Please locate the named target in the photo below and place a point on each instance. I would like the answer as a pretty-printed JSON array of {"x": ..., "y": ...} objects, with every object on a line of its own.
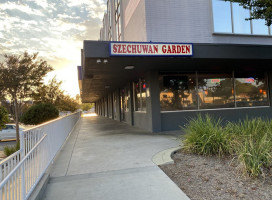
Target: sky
[{"x": 53, "y": 28}]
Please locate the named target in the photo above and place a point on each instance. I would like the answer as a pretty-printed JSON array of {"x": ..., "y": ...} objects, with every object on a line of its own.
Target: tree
[
  {"x": 48, "y": 93},
  {"x": 260, "y": 9},
  {"x": 20, "y": 75},
  {"x": 40, "y": 113},
  {"x": 86, "y": 106},
  {"x": 3, "y": 117},
  {"x": 51, "y": 93}
]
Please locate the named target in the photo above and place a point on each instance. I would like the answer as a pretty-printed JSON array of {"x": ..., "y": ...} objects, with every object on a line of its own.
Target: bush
[
  {"x": 249, "y": 140},
  {"x": 3, "y": 117},
  {"x": 39, "y": 113},
  {"x": 8, "y": 150},
  {"x": 205, "y": 136}
]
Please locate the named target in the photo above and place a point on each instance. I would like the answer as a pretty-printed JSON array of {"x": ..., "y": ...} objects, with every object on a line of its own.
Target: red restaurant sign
[{"x": 150, "y": 49}]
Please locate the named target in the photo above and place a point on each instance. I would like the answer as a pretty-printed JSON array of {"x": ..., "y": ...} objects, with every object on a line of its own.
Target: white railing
[{"x": 22, "y": 171}]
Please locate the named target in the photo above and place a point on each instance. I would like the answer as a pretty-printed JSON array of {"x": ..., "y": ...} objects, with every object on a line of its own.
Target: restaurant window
[
  {"x": 140, "y": 94},
  {"x": 231, "y": 17},
  {"x": 178, "y": 92},
  {"x": 215, "y": 91},
  {"x": 212, "y": 91},
  {"x": 127, "y": 97},
  {"x": 251, "y": 90}
]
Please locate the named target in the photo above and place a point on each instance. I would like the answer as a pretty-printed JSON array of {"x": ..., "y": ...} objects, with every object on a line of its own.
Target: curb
[
  {"x": 165, "y": 157},
  {"x": 38, "y": 192}
]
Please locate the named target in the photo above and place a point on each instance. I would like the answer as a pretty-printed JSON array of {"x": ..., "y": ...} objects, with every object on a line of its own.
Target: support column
[{"x": 153, "y": 100}]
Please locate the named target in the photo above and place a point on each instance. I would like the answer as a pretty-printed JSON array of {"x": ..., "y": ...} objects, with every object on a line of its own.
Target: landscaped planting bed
[{"x": 224, "y": 160}]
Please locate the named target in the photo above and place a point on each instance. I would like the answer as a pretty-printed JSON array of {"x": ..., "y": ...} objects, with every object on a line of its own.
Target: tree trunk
[{"x": 16, "y": 121}]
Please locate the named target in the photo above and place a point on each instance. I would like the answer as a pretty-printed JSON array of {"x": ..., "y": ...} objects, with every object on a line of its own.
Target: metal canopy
[{"x": 100, "y": 78}]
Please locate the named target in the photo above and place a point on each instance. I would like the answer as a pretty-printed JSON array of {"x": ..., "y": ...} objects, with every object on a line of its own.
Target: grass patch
[
  {"x": 8, "y": 150},
  {"x": 249, "y": 140},
  {"x": 205, "y": 136}
]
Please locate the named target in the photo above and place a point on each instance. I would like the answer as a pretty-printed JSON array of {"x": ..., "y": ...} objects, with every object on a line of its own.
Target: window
[
  {"x": 178, "y": 92},
  {"x": 239, "y": 22},
  {"x": 212, "y": 91},
  {"x": 222, "y": 16},
  {"x": 259, "y": 27},
  {"x": 230, "y": 17},
  {"x": 110, "y": 22},
  {"x": 140, "y": 95},
  {"x": 215, "y": 91},
  {"x": 118, "y": 19},
  {"x": 251, "y": 90}
]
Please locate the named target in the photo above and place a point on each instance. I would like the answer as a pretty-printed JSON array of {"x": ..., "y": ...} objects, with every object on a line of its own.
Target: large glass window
[
  {"x": 178, "y": 92},
  {"x": 259, "y": 27},
  {"x": 239, "y": 15},
  {"x": 109, "y": 21},
  {"x": 222, "y": 16},
  {"x": 140, "y": 95},
  {"x": 212, "y": 91},
  {"x": 230, "y": 17},
  {"x": 251, "y": 90},
  {"x": 215, "y": 91},
  {"x": 118, "y": 20}
]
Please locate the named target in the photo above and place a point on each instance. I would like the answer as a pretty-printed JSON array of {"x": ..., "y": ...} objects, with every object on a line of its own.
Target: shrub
[
  {"x": 205, "y": 136},
  {"x": 39, "y": 113},
  {"x": 3, "y": 117},
  {"x": 8, "y": 150},
  {"x": 252, "y": 143}
]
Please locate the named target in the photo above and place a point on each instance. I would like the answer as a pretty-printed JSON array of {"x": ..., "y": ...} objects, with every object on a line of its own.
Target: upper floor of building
[{"x": 192, "y": 21}]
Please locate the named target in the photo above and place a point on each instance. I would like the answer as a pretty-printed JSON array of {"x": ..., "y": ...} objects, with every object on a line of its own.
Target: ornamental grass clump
[
  {"x": 252, "y": 143},
  {"x": 255, "y": 155},
  {"x": 205, "y": 136}
]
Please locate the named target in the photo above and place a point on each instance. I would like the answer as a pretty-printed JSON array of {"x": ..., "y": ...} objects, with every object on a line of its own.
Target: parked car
[{"x": 9, "y": 132}]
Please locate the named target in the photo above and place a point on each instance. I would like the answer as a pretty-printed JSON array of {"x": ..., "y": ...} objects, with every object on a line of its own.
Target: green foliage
[
  {"x": 20, "y": 75},
  {"x": 260, "y": 9},
  {"x": 86, "y": 106},
  {"x": 40, "y": 113},
  {"x": 8, "y": 150},
  {"x": 3, "y": 117},
  {"x": 52, "y": 94},
  {"x": 205, "y": 136},
  {"x": 249, "y": 140}
]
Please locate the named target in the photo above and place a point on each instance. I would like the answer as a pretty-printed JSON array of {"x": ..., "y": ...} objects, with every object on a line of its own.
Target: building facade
[{"x": 139, "y": 71}]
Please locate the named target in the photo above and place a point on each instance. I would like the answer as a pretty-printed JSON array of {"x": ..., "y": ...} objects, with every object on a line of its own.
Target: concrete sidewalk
[{"x": 104, "y": 159}]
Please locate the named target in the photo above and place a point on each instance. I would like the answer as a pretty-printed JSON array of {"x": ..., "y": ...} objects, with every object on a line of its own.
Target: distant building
[{"x": 160, "y": 62}]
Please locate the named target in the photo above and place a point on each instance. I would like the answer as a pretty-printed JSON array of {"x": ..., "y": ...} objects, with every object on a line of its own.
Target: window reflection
[
  {"x": 215, "y": 91},
  {"x": 239, "y": 16},
  {"x": 251, "y": 90},
  {"x": 259, "y": 27},
  {"x": 178, "y": 92},
  {"x": 140, "y": 94},
  {"x": 222, "y": 16}
]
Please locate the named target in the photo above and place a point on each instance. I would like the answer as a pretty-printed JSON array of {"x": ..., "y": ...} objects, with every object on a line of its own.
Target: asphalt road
[{"x": 6, "y": 143}]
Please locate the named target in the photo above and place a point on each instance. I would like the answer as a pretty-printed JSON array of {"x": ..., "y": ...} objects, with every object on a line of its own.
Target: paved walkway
[{"x": 108, "y": 160}]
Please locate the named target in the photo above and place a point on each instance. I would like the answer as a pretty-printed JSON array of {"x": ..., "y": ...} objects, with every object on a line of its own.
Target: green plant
[
  {"x": 3, "y": 117},
  {"x": 255, "y": 154},
  {"x": 205, "y": 136},
  {"x": 8, "y": 150},
  {"x": 39, "y": 113}
]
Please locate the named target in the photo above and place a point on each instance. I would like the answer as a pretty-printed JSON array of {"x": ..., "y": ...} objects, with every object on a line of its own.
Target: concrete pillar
[{"x": 153, "y": 100}]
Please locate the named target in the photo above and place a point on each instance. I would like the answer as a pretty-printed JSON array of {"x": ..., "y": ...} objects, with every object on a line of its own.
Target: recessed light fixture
[
  {"x": 130, "y": 67},
  {"x": 98, "y": 61},
  {"x": 105, "y": 61}
]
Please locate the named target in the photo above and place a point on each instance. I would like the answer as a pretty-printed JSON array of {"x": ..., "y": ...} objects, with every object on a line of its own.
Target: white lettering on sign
[{"x": 150, "y": 49}]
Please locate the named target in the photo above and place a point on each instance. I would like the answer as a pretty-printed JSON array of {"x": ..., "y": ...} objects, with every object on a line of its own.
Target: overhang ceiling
[{"x": 98, "y": 76}]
